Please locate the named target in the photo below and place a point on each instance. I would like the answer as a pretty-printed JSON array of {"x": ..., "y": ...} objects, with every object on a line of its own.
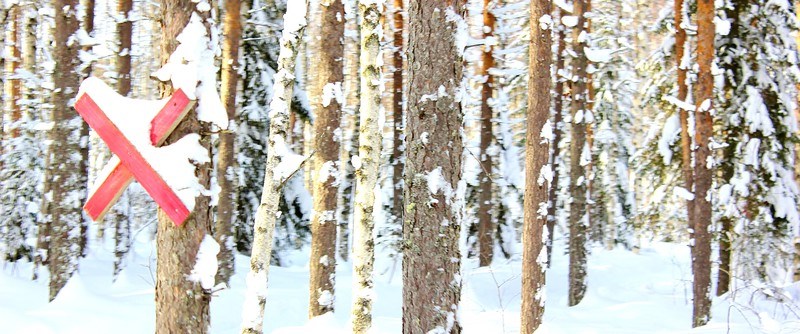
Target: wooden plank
[
  {"x": 169, "y": 117},
  {"x": 108, "y": 191},
  {"x": 132, "y": 159}
]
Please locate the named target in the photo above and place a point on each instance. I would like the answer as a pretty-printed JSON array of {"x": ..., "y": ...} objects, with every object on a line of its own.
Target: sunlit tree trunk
[
  {"x": 701, "y": 249},
  {"x": 486, "y": 226},
  {"x": 534, "y": 234},
  {"x": 326, "y": 99},
  {"x": 555, "y": 158},
  {"x": 223, "y": 228},
  {"x": 350, "y": 127}
]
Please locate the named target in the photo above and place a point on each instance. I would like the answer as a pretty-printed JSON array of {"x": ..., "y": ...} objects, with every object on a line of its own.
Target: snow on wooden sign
[{"x": 134, "y": 130}]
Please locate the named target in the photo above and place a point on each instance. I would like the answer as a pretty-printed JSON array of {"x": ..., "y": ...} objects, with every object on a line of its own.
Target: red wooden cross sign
[{"x": 129, "y": 163}]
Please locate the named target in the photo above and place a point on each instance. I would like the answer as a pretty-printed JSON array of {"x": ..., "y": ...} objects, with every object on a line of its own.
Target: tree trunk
[
  {"x": 555, "y": 159},
  {"x": 701, "y": 249},
  {"x": 536, "y": 156},
  {"x": 350, "y": 128},
  {"x": 398, "y": 164},
  {"x": 181, "y": 305},
  {"x": 12, "y": 85},
  {"x": 66, "y": 177},
  {"x": 486, "y": 226},
  {"x": 580, "y": 157},
  {"x": 223, "y": 228},
  {"x": 327, "y": 100},
  {"x": 279, "y": 133},
  {"x": 369, "y": 153},
  {"x": 431, "y": 265},
  {"x": 683, "y": 90}
]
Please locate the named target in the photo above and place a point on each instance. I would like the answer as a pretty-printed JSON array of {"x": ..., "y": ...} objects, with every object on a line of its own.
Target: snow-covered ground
[{"x": 648, "y": 292}]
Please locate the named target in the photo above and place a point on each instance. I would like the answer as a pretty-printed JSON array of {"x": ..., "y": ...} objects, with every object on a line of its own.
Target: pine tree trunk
[
  {"x": 350, "y": 127},
  {"x": 536, "y": 156},
  {"x": 683, "y": 90},
  {"x": 223, "y": 228},
  {"x": 369, "y": 153},
  {"x": 279, "y": 133},
  {"x": 182, "y": 306},
  {"x": 555, "y": 159},
  {"x": 701, "y": 249},
  {"x": 397, "y": 162},
  {"x": 12, "y": 86},
  {"x": 65, "y": 176},
  {"x": 431, "y": 265},
  {"x": 578, "y": 162},
  {"x": 328, "y": 64},
  {"x": 486, "y": 228}
]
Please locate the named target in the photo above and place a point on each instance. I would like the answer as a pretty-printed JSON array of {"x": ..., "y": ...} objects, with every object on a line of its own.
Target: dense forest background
[{"x": 425, "y": 135}]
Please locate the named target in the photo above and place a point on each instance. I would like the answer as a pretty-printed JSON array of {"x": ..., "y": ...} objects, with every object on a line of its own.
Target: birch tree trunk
[
  {"x": 369, "y": 155},
  {"x": 326, "y": 99},
  {"x": 267, "y": 214},
  {"x": 537, "y": 153},
  {"x": 701, "y": 249},
  {"x": 434, "y": 193},
  {"x": 580, "y": 157},
  {"x": 486, "y": 226},
  {"x": 223, "y": 229},
  {"x": 182, "y": 306}
]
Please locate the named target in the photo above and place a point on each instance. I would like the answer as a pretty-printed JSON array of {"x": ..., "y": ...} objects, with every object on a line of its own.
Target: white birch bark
[
  {"x": 366, "y": 165},
  {"x": 255, "y": 297}
]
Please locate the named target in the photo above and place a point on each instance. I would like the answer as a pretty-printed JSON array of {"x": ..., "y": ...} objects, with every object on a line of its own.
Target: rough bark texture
[
  {"x": 701, "y": 249},
  {"x": 398, "y": 165},
  {"x": 683, "y": 90},
  {"x": 577, "y": 172},
  {"x": 537, "y": 153},
  {"x": 181, "y": 305},
  {"x": 65, "y": 177},
  {"x": 327, "y": 69},
  {"x": 223, "y": 228},
  {"x": 486, "y": 226},
  {"x": 350, "y": 128},
  {"x": 255, "y": 298},
  {"x": 555, "y": 159},
  {"x": 432, "y": 260},
  {"x": 369, "y": 152}
]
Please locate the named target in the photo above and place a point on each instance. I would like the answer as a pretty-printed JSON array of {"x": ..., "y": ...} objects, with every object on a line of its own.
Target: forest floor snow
[{"x": 648, "y": 292}]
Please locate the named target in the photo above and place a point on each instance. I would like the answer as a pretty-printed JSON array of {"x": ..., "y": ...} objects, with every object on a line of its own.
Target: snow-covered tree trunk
[
  {"x": 182, "y": 304},
  {"x": 327, "y": 99},
  {"x": 701, "y": 245},
  {"x": 486, "y": 225},
  {"x": 366, "y": 165},
  {"x": 537, "y": 178},
  {"x": 434, "y": 189},
  {"x": 580, "y": 157},
  {"x": 558, "y": 129},
  {"x": 226, "y": 165},
  {"x": 65, "y": 178},
  {"x": 278, "y": 168}
]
